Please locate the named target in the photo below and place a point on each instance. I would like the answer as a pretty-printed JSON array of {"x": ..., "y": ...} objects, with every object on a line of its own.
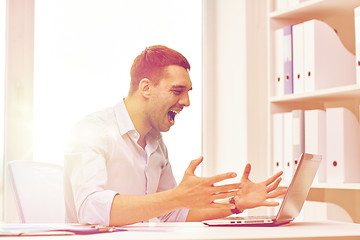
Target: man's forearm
[
  {"x": 197, "y": 215},
  {"x": 193, "y": 193},
  {"x": 128, "y": 209}
]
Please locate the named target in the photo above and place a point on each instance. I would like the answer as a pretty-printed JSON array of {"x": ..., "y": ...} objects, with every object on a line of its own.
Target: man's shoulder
[
  {"x": 103, "y": 116},
  {"x": 98, "y": 123},
  {"x": 96, "y": 128}
]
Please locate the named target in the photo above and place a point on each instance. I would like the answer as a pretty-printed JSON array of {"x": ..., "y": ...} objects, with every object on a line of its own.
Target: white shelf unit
[
  {"x": 340, "y": 16},
  {"x": 334, "y": 186}
]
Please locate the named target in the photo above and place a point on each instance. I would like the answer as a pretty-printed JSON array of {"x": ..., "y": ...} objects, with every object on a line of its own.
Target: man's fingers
[
  {"x": 271, "y": 204},
  {"x": 226, "y": 188},
  {"x": 193, "y": 165},
  {"x": 273, "y": 178},
  {"x": 274, "y": 185},
  {"x": 277, "y": 193},
  {"x": 224, "y": 195},
  {"x": 246, "y": 173},
  {"x": 221, "y": 177}
]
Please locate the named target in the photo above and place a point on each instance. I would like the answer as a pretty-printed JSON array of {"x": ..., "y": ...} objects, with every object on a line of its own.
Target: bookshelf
[{"x": 340, "y": 16}]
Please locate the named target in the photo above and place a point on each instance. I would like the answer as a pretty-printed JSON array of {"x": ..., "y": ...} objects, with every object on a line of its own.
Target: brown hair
[{"x": 151, "y": 62}]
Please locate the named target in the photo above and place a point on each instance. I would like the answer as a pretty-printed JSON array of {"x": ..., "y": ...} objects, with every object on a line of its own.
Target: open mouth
[{"x": 171, "y": 116}]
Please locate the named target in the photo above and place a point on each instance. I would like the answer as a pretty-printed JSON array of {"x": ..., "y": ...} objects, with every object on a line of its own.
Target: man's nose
[{"x": 185, "y": 100}]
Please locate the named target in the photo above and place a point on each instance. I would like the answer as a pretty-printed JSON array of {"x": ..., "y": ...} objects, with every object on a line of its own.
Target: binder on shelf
[
  {"x": 288, "y": 147},
  {"x": 294, "y": 3},
  {"x": 279, "y": 63},
  {"x": 315, "y": 139},
  {"x": 298, "y": 58},
  {"x": 298, "y": 136},
  {"x": 281, "y": 5},
  {"x": 357, "y": 43},
  {"x": 277, "y": 142},
  {"x": 288, "y": 60},
  {"x": 327, "y": 62},
  {"x": 342, "y": 146}
]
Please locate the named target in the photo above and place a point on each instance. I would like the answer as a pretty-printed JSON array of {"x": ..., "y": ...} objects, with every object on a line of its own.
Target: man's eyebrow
[{"x": 180, "y": 87}]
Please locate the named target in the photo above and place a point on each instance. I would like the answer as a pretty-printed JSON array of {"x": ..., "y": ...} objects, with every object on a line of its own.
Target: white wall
[
  {"x": 256, "y": 44},
  {"x": 234, "y": 98},
  {"x": 82, "y": 64}
]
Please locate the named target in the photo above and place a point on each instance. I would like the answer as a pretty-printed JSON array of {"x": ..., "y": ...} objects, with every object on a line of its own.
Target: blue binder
[{"x": 288, "y": 60}]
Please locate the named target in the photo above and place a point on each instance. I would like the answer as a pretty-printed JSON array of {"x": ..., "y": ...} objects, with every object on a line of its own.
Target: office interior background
[
  {"x": 61, "y": 60},
  {"x": 65, "y": 59}
]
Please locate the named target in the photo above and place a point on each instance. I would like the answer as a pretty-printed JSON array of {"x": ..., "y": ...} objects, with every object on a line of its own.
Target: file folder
[
  {"x": 279, "y": 62},
  {"x": 281, "y": 4},
  {"x": 298, "y": 136},
  {"x": 294, "y": 3},
  {"x": 357, "y": 42},
  {"x": 277, "y": 142},
  {"x": 288, "y": 60},
  {"x": 315, "y": 139},
  {"x": 7, "y": 230},
  {"x": 327, "y": 62},
  {"x": 342, "y": 146},
  {"x": 288, "y": 147},
  {"x": 298, "y": 58}
]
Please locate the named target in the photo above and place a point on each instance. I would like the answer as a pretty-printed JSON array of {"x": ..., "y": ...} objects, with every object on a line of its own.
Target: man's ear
[{"x": 145, "y": 87}]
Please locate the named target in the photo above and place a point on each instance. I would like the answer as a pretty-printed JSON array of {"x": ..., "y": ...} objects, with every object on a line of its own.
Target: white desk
[{"x": 198, "y": 231}]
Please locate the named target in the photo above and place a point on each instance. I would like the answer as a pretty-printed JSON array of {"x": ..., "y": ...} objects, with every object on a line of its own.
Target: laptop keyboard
[{"x": 251, "y": 217}]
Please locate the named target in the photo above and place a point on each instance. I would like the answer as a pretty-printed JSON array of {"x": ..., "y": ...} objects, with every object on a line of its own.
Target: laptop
[{"x": 292, "y": 203}]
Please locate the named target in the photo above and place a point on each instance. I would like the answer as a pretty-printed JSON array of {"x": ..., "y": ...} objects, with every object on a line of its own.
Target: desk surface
[{"x": 198, "y": 231}]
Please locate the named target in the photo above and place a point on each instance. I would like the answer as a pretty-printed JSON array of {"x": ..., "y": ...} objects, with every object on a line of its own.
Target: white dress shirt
[{"x": 102, "y": 159}]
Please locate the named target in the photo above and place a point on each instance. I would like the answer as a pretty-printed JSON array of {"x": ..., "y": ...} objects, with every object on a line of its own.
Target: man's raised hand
[
  {"x": 257, "y": 194},
  {"x": 201, "y": 192}
]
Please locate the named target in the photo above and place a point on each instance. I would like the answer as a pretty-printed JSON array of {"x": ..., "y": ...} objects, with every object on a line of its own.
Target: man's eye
[{"x": 177, "y": 92}]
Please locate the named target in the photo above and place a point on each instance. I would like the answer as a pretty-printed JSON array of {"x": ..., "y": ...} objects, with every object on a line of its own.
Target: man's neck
[{"x": 137, "y": 115}]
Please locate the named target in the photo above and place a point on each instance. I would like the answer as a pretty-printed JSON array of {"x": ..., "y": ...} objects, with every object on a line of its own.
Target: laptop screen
[{"x": 299, "y": 187}]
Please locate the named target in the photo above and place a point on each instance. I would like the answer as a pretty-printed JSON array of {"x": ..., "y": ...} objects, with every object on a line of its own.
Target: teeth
[{"x": 172, "y": 115}]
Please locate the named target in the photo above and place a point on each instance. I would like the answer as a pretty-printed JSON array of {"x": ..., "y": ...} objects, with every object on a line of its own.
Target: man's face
[{"x": 169, "y": 97}]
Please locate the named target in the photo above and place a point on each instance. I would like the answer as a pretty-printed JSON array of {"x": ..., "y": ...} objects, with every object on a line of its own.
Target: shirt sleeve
[
  {"x": 86, "y": 154},
  {"x": 96, "y": 208}
]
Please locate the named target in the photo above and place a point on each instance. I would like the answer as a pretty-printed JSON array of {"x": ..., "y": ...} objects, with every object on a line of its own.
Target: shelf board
[
  {"x": 335, "y": 186},
  {"x": 315, "y": 8},
  {"x": 331, "y": 94}
]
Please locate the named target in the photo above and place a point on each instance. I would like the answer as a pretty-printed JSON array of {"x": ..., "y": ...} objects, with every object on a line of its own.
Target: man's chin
[{"x": 165, "y": 128}]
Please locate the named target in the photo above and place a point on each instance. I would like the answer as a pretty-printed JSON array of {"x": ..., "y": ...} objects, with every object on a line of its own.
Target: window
[{"x": 83, "y": 54}]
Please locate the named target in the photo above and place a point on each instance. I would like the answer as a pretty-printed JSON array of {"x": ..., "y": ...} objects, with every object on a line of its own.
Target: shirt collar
[
  {"x": 126, "y": 125},
  {"x": 123, "y": 119}
]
